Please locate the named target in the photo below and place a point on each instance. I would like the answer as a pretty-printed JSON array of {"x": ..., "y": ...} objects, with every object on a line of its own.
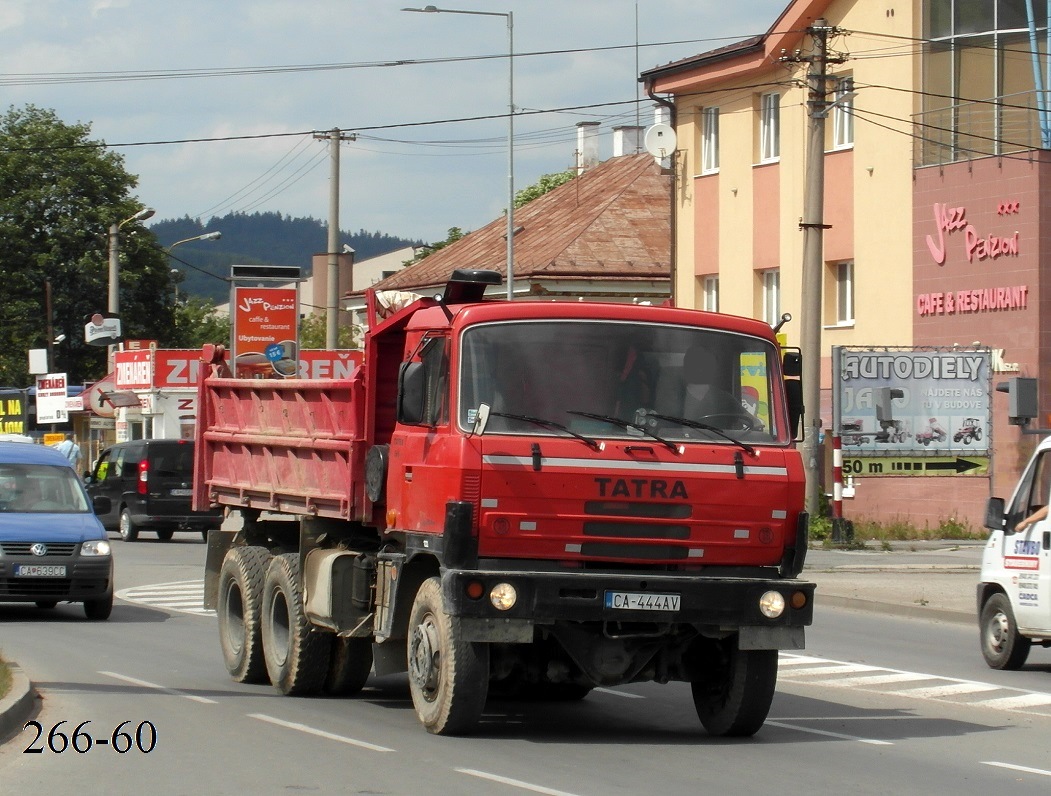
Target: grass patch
[
  {"x": 5, "y": 678},
  {"x": 867, "y": 532}
]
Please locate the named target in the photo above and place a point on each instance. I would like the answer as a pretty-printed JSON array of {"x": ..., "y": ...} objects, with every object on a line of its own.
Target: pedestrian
[{"x": 69, "y": 448}]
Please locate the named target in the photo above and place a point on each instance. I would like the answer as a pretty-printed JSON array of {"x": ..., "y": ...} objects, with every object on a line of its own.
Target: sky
[{"x": 214, "y": 104}]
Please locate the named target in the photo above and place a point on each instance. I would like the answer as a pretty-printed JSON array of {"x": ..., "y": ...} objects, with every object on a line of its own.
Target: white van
[{"x": 1014, "y": 592}]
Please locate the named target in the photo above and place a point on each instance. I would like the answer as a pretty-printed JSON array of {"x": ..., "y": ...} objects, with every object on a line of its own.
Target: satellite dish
[{"x": 660, "y": 140}]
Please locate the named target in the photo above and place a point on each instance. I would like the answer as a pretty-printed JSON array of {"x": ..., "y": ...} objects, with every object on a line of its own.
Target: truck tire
[
  {"x": 733, "y": 695},
  {"x": 129, "y": 532},
  {"x": 1003, "y": 647},
  {"x": 349, "y": 666},
  {"x": 240, "y": 597},
  {"x": 448, "y": 677},
  {"x": 296, "y": 653}
]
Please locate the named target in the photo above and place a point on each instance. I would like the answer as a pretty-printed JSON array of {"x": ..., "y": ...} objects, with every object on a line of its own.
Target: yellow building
[{"x": 933, "y": 128}]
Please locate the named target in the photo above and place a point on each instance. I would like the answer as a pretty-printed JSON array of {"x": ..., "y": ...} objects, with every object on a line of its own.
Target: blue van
[{"x": 52, "y": 546}]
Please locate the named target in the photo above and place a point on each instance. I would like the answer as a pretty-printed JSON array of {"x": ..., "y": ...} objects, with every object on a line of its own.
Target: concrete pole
[
  {"x": 813, "y": 239},
  {"x": 332, "y": 319}
]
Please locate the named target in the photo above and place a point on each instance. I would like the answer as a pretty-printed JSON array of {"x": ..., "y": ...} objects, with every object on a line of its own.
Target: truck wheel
[
  {"x": 100, "y": 609},
  {"x": 128, "y": 531},
  {"x": 240, "y": 597},
  {"x": 296, "y": 653},
  {"x": 733, "y": 694},
  {"x": 448, "y": 677},
  {"x": 1002, "y": 645},
  {"x": 349, "y": 666}
]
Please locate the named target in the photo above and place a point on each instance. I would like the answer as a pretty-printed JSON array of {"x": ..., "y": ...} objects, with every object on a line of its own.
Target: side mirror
[
  {"x": 994, "y": 514},
  {"x": 100, "y": 504},
  {"x": 794, "y": 399},
  {"x": 792, "y": 364},
  {"x": 412, "y": 393}
]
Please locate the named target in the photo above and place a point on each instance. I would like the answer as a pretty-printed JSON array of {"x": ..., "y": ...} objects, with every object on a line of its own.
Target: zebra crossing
[
  {"x": 187, "y": 597},
  {"x": 184, "y": 596},
  {"x": 825, "y": 673}
]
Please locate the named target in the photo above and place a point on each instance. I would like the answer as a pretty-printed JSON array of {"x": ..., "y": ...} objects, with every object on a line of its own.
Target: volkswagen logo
[{"x": 39, "y": 549}]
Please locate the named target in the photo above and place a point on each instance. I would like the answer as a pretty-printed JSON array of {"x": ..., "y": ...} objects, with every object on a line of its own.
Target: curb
[{"x": 17, "y": 706}]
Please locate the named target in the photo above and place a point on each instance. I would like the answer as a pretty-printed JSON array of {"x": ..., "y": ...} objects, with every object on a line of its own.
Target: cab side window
[
  {"x": 1035, "y": 490},
  {"x": 104, "y": 468}
]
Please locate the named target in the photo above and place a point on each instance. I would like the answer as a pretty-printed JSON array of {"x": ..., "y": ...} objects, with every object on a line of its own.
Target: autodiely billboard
[{"x": 913, "y": 401}]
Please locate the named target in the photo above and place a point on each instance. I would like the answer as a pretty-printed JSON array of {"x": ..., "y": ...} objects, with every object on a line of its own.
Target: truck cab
[{"x": 1014, "y": 590}]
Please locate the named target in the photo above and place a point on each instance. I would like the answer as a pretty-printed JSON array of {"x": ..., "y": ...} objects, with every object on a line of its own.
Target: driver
[{"x": 705, "y": 387}]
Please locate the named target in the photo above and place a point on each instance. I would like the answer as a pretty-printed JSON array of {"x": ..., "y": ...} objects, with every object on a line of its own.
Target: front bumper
[
  {"x": 88, "y": 578},
  {"x": 722, "y": 603}
]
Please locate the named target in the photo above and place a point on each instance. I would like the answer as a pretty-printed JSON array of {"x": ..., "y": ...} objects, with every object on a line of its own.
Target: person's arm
[{"x": 1036, "y": 516}]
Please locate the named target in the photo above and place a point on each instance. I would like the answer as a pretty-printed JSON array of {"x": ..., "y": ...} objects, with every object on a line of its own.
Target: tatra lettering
[{"x": 641, "y": 488}]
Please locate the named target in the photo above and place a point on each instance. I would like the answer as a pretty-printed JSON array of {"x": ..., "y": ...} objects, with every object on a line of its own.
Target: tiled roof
[{"x": 611, "y": 222}]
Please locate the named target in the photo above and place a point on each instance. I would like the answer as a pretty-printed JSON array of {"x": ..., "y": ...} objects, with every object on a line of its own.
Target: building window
[
  {"x": 843, "y": 114},
  {"x": 772, "y": 296},
  {"x": 845, "y": 292},
  {"x": 770, "y": 129},
  {"x": 709, "y": 140},
  {"x": 711, "y": 293}
]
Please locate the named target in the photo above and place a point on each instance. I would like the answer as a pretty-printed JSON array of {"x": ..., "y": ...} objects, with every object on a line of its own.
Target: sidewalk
[
  {"x": 933, "y": 580},
  {"x": 930, "y": 580}
]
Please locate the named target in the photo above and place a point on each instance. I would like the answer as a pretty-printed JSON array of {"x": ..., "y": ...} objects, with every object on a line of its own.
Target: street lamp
[
  {"x": 114, "y": 253},
  {"x": 510, "y": 126},
  {"x": 168, "y": 251}
]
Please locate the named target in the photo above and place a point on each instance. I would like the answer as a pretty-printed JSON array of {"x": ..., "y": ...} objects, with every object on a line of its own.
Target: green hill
[{"x": 256, "y": 239}]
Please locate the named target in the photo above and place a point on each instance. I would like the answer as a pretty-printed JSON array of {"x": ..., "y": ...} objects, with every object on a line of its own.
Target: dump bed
[{"x": 285, "y": 445}]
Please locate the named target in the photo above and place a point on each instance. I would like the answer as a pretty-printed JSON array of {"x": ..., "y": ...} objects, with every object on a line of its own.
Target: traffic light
[{"x": 1022, "y": 405}]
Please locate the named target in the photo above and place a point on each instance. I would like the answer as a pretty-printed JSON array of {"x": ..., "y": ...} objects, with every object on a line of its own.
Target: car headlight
[
  {"x": 503, "y": 596},
  {"x": 772, "y": 604},
  {"x": 95, "y": 547}
]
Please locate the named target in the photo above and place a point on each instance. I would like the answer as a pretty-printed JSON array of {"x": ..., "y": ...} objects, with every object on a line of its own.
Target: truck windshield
[{"x": 681, "y": 383}]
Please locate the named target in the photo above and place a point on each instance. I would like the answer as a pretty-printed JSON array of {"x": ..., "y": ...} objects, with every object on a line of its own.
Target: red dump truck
[{"x": 527, "y": 498}]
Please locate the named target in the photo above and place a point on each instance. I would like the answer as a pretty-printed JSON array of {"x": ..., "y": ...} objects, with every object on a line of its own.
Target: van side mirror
[
  {"x": 412, "y": 393},
  {"x": 100, "y": 504},
  {"x": 994, "y": 514}
]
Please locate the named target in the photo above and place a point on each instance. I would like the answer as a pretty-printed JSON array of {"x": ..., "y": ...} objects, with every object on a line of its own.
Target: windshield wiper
[
  {"x": 682, "y": 421},
  {"x": 616, "y": 421},
  {"x": 549, "y": 424}
]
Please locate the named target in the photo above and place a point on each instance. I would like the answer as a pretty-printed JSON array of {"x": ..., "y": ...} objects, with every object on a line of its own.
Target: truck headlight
[
  {"x": 503, "y": 596},
  {"x": 95, "y": 547},
  {"x": 772, "y": 604}
]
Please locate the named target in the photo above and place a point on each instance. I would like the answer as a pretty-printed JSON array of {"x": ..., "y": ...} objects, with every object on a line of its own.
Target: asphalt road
[{"x": 876, "y": 704}]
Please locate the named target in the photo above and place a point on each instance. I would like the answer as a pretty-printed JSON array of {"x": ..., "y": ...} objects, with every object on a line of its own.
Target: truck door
[
  {"x": 424, "y": 462},
  {"x": 1026, "y": 554}
]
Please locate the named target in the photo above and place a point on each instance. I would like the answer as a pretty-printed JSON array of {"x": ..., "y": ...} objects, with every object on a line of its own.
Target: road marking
[
  {"x": 624, "y": 694},
  {"x": 291, "y": 725},
  {"x": 1024, "y": 769},
  {"x": 161, "y": 688},
  {"x": 828, "y": 734},
  {"x": 946, "y": 690},
  {"x": 1021, "y": 701},
  {"x": 184, "y": 596},
  {"x": 515, "y": 783}
]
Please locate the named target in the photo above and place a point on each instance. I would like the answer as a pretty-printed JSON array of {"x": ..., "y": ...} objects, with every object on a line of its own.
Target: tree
[
  {"x": 546, "y": 183},
  {"x": 313, "y": 333},
  {"x": 197, "y": 323},
  {"x": 455, "y": 233},
  {"x": 59, "y": 193}
]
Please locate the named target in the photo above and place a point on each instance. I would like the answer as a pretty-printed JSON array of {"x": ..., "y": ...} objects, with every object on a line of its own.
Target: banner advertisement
[
  {"x": 932, "y": 401},
  {"x": 133, "y": 370},
  {"x": 13, "y": 412},
  {"x": 51, "y": 398},
  {"x": 265, "y": 331}
]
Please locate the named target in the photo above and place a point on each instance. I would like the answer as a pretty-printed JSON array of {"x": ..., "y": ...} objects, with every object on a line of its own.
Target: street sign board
[{"x": 917, "y": 465}]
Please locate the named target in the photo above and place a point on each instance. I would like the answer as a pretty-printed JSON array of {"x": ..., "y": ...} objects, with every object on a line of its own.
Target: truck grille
[
  {"x": 621, "y": 508},
  {"x": 637, "y": 552},
  {"x": 636, "y": 530}
]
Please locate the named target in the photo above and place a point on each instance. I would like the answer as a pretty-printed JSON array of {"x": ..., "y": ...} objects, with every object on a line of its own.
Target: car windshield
[
  {"x": 621, "y": 379},
  {"x": 41, "y": 488}
]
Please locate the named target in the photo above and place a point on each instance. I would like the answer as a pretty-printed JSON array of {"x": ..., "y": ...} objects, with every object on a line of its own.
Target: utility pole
[
  {"x": 332, "y": 304},
  {"x": 813, "y": 227}
]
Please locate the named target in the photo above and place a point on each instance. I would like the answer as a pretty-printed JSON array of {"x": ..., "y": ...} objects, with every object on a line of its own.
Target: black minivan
[{"x": 150, "y": 484}]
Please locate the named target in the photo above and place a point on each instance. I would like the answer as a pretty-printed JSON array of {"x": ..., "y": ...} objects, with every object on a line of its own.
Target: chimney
[
  {"x": 587, "y": 146},
  {"x": 627, "y": 140}
]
